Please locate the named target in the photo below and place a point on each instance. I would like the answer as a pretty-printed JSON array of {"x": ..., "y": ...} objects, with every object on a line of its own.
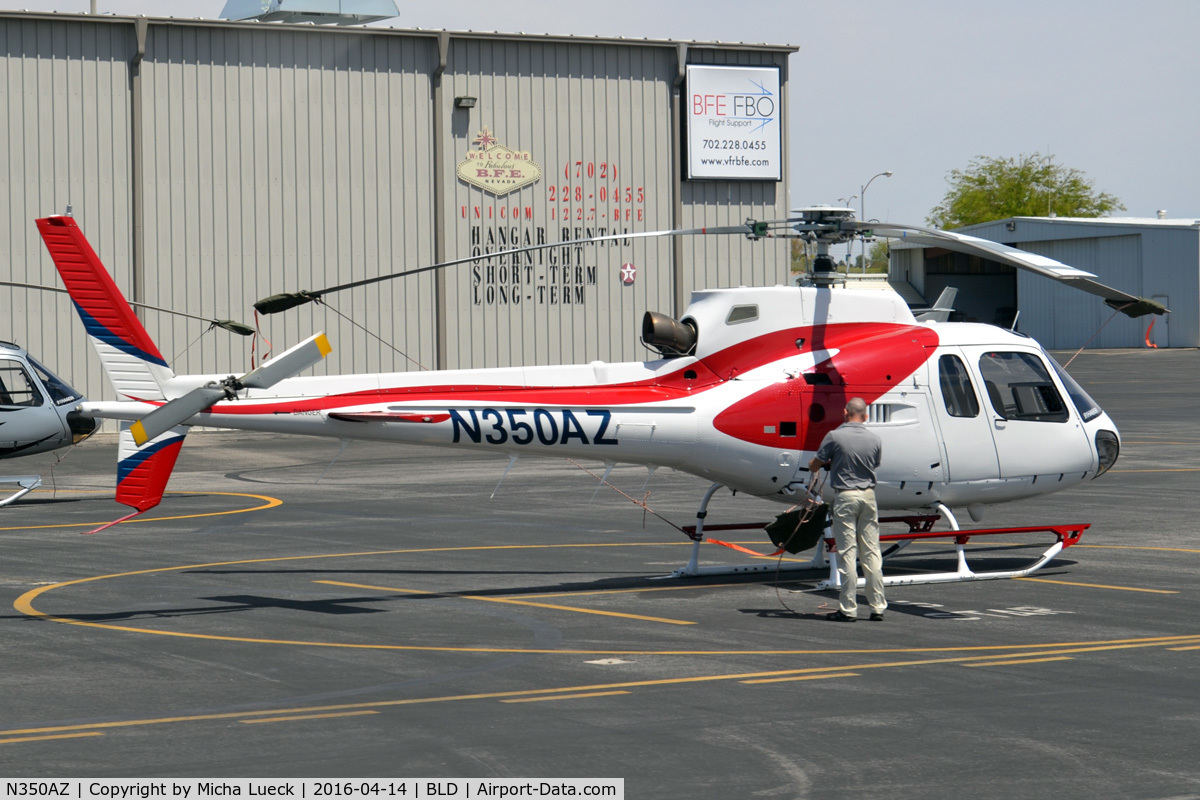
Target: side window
[
  {"x": 16, "y": 387},
  {"x": 957, "y": 392},
  {"x": 59, "y": 392},
  {"x": 1019, "y": 387}
]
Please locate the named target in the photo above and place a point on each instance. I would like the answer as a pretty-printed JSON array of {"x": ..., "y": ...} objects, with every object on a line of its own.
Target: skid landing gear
[
  {"x": 919, "y": 527},
  {"x": 693, "y": 569},
  {"x": 26, "y": 484}
]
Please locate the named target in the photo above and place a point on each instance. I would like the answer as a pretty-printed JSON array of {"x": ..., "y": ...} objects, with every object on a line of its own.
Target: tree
[
  {"x": 801, "y": 261},
  {"x": 877, "y": 256},
  {"x": 1025, "y": 186}
]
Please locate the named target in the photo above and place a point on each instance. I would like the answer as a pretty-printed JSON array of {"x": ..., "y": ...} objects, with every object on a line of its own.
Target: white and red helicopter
[
  {"x": 39, "y": 411},
  {"x": 749, "y": 382}
]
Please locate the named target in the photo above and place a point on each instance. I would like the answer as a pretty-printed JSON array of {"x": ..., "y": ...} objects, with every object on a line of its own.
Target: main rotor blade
[
  {"x": 282, "y": 302},
  {"x": 1129, "y": 304},
  {"x": 288, "y": 363},
  {"x": 231, "y": 325}
]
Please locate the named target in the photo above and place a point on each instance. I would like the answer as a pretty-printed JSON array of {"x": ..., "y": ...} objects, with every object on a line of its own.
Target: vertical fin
[
  {"x": 142, "y": 472},
  {"x": 132, "y": 362}
]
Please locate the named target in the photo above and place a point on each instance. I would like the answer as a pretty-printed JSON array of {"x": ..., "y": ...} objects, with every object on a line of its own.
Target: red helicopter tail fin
[{"x": 131, "y": 360}]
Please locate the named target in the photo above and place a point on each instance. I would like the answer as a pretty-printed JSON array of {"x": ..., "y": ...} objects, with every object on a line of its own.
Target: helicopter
[
  {"x": 39, "y": 410},
  {"x": 746, "y": 384},
  {"x": 38, "y": 414}
]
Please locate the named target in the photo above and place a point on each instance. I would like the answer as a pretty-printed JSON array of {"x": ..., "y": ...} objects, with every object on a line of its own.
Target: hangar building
[
  {"x": 214, "y": 163},
  {"x": 1157, "y": 258}
]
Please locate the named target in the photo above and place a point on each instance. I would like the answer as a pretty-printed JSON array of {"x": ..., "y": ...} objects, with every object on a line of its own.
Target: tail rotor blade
[
  {"x": 170, "y": 414},
  {"x": 177, "y": 411},
  {"x": 288, "y": 363}
]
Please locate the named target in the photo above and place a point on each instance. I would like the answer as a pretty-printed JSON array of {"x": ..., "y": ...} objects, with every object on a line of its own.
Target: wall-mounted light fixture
[
  {"x": 1010, "y": 225},
  {"x": 464, "y": 102}
]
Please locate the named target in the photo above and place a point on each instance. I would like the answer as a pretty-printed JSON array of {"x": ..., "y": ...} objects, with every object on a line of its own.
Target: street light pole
[
  {"x": 862, "y": 212},
  {"x": 845, "y": 202}
]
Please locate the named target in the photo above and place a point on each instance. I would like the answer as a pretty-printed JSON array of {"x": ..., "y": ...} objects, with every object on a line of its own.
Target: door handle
[{"x": 999, "y": 423}]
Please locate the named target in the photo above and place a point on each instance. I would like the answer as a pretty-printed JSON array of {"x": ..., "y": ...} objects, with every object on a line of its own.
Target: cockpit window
[
  {"x": 59, "y": 391},
  {"x": 741, "y": 314},
  {"x": 957, "y": 391},
  {"x": 1019, "y": 388},
  {"x": 1087, "y": 407},
  {"x": 16, "y": 387}
]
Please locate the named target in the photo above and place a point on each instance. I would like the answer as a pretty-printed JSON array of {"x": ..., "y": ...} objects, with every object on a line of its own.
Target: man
[{"x": 852, "y": 453}]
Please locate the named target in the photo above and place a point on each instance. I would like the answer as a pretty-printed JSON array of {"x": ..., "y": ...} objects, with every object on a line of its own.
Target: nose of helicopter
[
  {"x": 81, "y": 427},
  {"x": 1107, "y": 441}
]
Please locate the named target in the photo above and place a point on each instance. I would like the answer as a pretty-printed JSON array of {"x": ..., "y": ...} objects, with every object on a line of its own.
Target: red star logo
[
  {"x": 628, "y": 273},
  {"x": 485, "y": 139}
]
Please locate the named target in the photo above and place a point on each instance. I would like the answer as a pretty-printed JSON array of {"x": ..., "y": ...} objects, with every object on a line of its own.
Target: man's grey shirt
[{"x": 853, "y": 453}]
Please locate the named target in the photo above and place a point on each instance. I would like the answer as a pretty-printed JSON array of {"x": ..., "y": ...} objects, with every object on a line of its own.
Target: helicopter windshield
[
  {"x": 58, "y": 390},
  {"x": 1088, "y": 408}
]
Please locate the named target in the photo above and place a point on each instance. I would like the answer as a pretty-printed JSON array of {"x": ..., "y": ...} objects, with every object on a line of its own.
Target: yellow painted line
[
  {"x": 24, "y": 605},
  {"x": 308, "y": 716},
  {"x": 1018, "y": 661},
  {"x": 1193, "y": 647},
  {"x": 1156, "y": 441},
  {"x": 47, "y": 738},
  {"x": 633, "y": 591},
  {"x": 579, "y": 689},
  {"x": 1136, "y": 547},
  {"x": 561, "y": 697},
  {"x": 268, "y": 502},
  {"x": 806, "y": 677},
  {"x": 1100, "y": 586},
  {"x": 1177, "y": 469},
  {"x": 509, "y": 601}
]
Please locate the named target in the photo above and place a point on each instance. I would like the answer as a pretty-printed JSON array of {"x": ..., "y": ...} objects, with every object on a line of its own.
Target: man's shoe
[
  {"x": 838, "y": 616},
  {"x": 876, "y": 616}
]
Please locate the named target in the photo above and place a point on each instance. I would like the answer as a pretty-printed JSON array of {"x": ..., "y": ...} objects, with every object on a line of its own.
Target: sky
[{"x": 919, "y": 87}]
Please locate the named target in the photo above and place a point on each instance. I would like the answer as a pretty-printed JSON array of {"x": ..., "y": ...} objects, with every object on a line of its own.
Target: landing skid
[
  {"x": 27, "y": 484},
  {"x": 919, "y": 527},
  {"x": 692, "y": 569}
]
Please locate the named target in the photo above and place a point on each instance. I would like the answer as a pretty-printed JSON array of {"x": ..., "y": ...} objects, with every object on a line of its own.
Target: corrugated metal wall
[
  {"x": 281, "y": 158},
  {"x": 596, "y": 119},
  {"x": 284, "y": 159},
  {"x": 1061, "y": 317},
  {"x": 1158, "y": 259},
  {"x": 64, "y": 139}
]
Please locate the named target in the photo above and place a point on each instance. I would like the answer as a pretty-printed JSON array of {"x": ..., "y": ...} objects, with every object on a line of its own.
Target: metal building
[
  {"x": 213, "y": 163},
  {"x": 1155, "y": 258}
]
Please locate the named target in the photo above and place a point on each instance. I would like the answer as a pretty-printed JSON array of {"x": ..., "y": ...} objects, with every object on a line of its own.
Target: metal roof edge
[
  {"x": 1180, "y": 222},
  {"x": 383, "y": 30}
]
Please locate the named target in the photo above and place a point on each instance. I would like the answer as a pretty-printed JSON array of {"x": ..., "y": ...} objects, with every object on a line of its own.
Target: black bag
[{"x": 787, "y": 532}]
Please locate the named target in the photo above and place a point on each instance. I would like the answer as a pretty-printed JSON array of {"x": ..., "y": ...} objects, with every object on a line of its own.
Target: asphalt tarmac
[{"x": 385, "y": 616}]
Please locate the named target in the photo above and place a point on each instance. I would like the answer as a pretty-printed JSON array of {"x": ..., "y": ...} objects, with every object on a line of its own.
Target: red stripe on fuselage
[{"x": 871, "y": 360}]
